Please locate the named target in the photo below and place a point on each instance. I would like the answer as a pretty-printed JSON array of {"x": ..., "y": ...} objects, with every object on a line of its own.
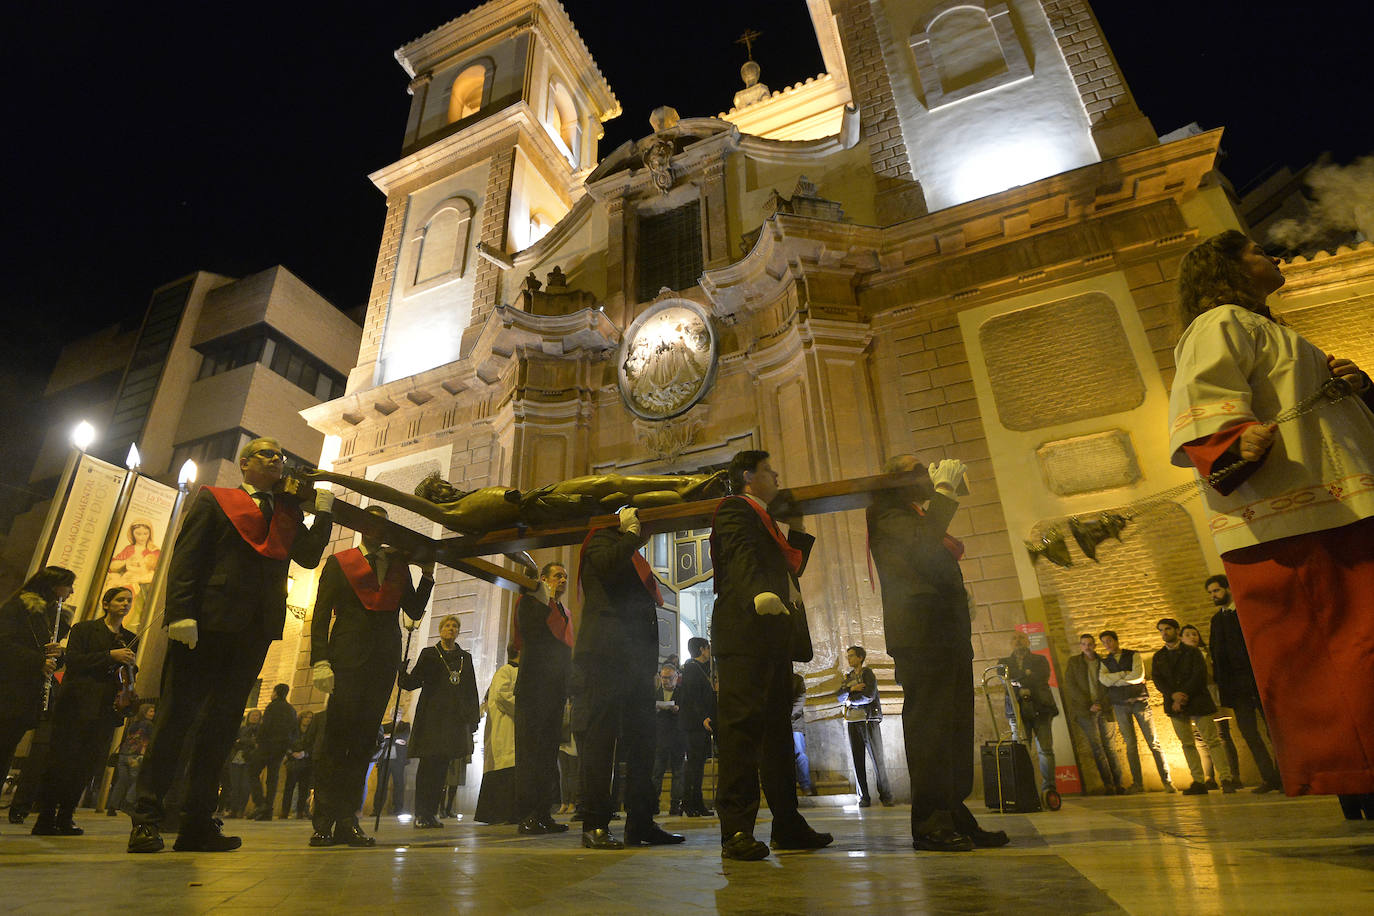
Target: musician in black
[
  {"x": 85, "y": 714},
  {"x": 29, "y": 623}
]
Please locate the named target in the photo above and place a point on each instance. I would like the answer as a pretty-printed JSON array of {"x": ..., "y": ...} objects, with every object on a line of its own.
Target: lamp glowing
[
  {"x": 83, "y": 435},
  {"x": 135, "y": 460},
  {"x": 187, "y": 475}
]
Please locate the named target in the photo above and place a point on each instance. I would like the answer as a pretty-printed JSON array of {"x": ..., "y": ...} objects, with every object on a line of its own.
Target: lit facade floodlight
[
  {"x": 83, "y": 435},
  {"x": 187, "y": 475},
  {"x": 135, "y": 460}
]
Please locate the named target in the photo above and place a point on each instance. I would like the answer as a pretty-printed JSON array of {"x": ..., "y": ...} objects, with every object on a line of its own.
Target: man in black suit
[
  {"x": 752, "y": 635},
  {"x": 356, "y": 661},
  {"x": 274, "y": 740},
  {"x": 617, "y": 651},
  {"x": 697, "y": 712},
  {"x": 226, "y": 603},
  {"x": 544, "y": 634},
  {"x": 928, "y": 633}
]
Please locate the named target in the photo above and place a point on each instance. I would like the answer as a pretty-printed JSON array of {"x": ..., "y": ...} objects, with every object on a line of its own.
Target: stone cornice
[{"x": 1312, "y": 278}]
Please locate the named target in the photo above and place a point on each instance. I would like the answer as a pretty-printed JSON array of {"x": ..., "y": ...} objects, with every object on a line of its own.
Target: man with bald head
[{"x": 226, "y": 603}]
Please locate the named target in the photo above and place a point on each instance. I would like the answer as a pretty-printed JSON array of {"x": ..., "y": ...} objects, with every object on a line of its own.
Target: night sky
[{"x": 151, "y": 139}]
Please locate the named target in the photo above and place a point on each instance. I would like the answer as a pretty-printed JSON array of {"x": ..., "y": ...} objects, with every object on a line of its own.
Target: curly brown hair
[{"x": 1209, "y": 275}]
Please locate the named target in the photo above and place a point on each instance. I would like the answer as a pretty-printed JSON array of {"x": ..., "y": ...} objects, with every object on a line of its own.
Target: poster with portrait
[
  {"x": 139, "y": 545},
  {"x": 85, "y": 521}
]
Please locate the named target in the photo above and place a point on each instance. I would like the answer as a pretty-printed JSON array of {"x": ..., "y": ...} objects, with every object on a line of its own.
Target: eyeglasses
[{"x": 268, "y": 454}]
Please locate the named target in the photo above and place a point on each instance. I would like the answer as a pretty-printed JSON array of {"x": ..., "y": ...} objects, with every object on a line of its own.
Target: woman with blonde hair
[{"x": 445, "y": 717}]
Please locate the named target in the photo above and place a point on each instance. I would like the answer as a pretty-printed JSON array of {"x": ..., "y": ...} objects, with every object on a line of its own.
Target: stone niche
[
  {"x": 1086, "y": 464},
  {"x": 1060, "y": 362}
]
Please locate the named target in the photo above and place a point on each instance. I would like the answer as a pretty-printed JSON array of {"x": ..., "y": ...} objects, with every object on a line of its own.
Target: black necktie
[{"x": 264, "y": 500}]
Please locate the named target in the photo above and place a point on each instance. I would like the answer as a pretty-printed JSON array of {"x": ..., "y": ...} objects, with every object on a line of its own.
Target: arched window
[
  {"x": 967, "y": 47},
  {"x": 468, "y": 93},
  {"x": 441, "y": 244},
  {"x": 563, "y": 121}
]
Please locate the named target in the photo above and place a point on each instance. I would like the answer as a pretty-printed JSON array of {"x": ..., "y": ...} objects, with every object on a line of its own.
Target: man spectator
[
  {"x": 697, "y": 705},
  {"x": 274, "y": 739},
  {"x": 544, "y": 635},
  {"x": 226, "y": 603},
  {"x": 927, "y": 626},
  {"x": 670, "y": 747},
  {"x": 1123, "y": 674},
  {"x": 757, "y": 592},
  {"x": 1029, "y": 673},
  {"x": 1235, "y": 681},
  {"x": 355, "y": 660},
  {"x": 1180, "y": 674},
  {"x": 863, "y": 717},
  {"x": 616, "y": 652},
  {"x": 802, "y": 762},
  {"x": 1084, "y": 699}
]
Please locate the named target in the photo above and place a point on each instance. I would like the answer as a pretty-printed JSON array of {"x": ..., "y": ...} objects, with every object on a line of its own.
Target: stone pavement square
[{"x": 1153, "y": 854}]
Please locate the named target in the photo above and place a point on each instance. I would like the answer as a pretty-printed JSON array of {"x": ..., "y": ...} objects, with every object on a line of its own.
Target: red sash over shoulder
[
  {"x": 274, "y": 542},
  {"x": 792, "y": 555},
  {"x": 642, "y": 568},
  {"x": 360, "y": 574}
]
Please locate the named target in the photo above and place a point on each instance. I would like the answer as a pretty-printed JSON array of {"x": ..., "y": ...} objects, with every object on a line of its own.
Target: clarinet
[{"x": 47, "y": 680}]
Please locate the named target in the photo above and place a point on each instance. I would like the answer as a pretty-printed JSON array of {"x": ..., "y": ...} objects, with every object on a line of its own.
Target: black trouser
[
  {"x": 1247, "y": 720},
  {"x": 77, "y": 746},
  {"x": 754, "y": 738},
  {"x": 539, "y": 700},
  {"x": 669, "y": 749},
  {"x": 619, "y": 697},
  {"x": 429, "y": 786},
  {"x": 212, "y": 680},
  {"x": 865, "y": 740},
  {"x": 269, "y": 759},
  {"x": 937, "y": 725},
  {"x": 299, "y": 779},
  {"x": 350, "y": 739},
  {"x": 698, "y": 751}
]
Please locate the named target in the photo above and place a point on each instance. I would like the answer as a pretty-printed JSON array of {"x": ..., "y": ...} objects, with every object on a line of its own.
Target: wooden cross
[
  {"x": 465, "y": 552},
  {"x": 747, "y": 39}
]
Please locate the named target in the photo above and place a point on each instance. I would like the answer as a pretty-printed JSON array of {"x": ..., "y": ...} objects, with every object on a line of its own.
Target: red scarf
[
  {"x": 642, "y": 568},
  {"x": 242, "y": 510},
  {"x": 559, "y": 623},
  {"x": 360, "y": 574},
  {"x": 792, "y": 555}
]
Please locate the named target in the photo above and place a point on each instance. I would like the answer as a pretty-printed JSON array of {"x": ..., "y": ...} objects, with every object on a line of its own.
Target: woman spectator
[
  {"x": 85, "y": 716},
  {"x": 131, "y": 748},
  {"x": 240, "y": 770},
  {"x": 1290, "y": 507},
  {"x": 28, "y": 654},
  {"x": 496, "y": 798},
  {"x": 300, "y": 766},
  {"x": 445, "y": 717},
  {"x": 1191, "y": 636}
]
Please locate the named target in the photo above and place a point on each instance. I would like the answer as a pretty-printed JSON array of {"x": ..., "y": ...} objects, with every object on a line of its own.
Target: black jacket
[
  {"x": 667, "y": 730},
  {"x": 26, "y": 623},
  {"x": 278, "y": 727},
  {"x": 748, "y": 562},
  {"x": 864, "y": 702},
  {"x": 90, "y": 680},
  {"x": 1231, "y": 661},
  {"x": 359, "y": 636},
  {"x": 1031, "y": 671},
  {"x": 695, "y": 697},
  {"x": 619, "y": 617},
  {"x": 924, "y": 603},
  {"x": 1183, "y": 670},
  {"x": 447, "y": 713},
  {"x": 225, "y": 585},
  {"x": 544, "y": 658}
]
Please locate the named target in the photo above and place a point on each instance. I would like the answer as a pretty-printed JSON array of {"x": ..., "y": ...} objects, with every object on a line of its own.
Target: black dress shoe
[
  {"x": 988, "y": 839},
  {"x": 531, "y": 826},
  {"x": 743, "y": 848},
  {"x": 48, "y": 826},
  {"x": 600, "y": 838},
  {"x": 865, "y": 803},
  {"x": 428, "y": 822},
  {"x": 205, "y": 839},
  {"x": 352, "y": 835},
  {"x": 261, "y": 815},
  {"x": 942, "y": 839},
  {"x": 653, "y": 835},
  {"x": 322, "y": 840},
  {"x": 145, "y": 838},
  {"x": 675, "y": 811},
  {"x": 552, "y": 826},
  {"x": 802, "y": 839}
]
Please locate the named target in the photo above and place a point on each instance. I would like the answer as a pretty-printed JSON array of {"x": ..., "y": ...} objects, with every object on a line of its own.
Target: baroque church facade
[{"x": 958, "y": 241}]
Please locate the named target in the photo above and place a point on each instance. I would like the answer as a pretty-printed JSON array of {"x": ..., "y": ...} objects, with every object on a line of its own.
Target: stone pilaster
[{"x": 363, "y": 375}]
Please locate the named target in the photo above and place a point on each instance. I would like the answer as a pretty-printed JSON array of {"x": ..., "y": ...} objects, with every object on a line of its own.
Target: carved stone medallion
[{"x": 667, "y": 359}]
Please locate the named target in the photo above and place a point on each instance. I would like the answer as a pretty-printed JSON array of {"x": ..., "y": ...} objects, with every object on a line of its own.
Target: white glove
[
  {"x": 409, "y": 623},
  {"x": 769, "y": 604},
  {"x": 324, "y": 500},
  {"x": 948, "y": 473},
  {"x": 184, "y": 631},
  {"x": 324, "y": 677},
  {"x": 629, "y": 520}
]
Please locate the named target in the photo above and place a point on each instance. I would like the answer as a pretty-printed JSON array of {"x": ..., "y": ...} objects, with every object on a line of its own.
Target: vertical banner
[
  {"x": 142, "y": 537},
  {"x": 85, "y": 522}
]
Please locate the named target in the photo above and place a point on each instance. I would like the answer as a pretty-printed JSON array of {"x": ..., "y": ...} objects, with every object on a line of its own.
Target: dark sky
[{"x": 150, "y": 139}]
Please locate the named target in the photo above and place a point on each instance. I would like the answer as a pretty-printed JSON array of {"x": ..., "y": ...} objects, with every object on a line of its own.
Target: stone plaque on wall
[
  {"x": 1084, "y": 464},
  {"x": 667, "y": 359},
  {"x": 1060, "y": 362}
]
